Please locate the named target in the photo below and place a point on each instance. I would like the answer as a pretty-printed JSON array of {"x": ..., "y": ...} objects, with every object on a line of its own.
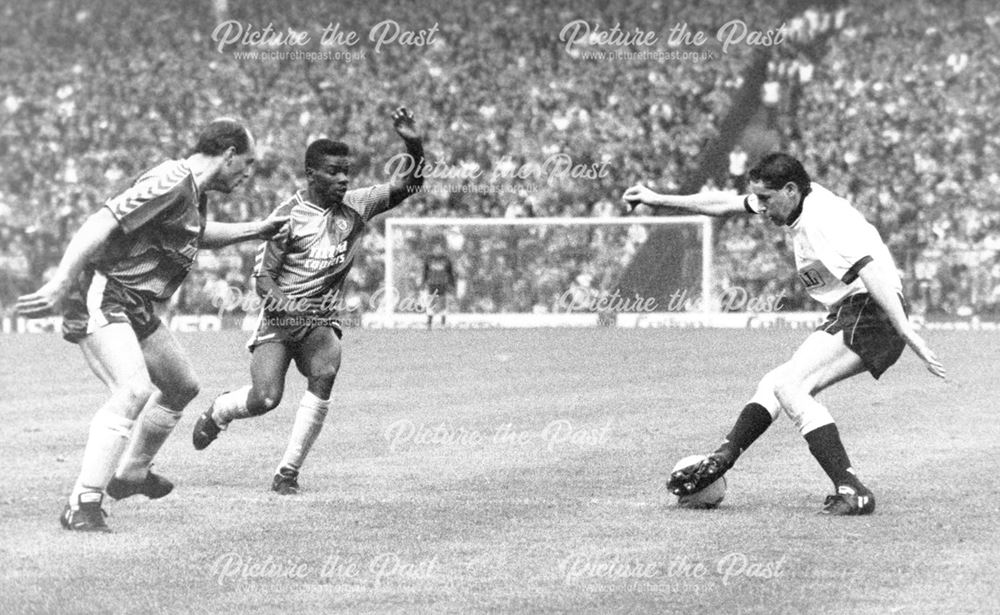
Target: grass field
[{"x": 502, "y": 510}]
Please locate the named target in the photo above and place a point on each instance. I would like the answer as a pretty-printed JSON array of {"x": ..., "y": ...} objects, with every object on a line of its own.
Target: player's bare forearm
[
  {"x": 704, "y": 203},
  {"x": 410, "y": 182},
  {"x": 221, "y": 234},
  {"x": 88, "y": 240},
  {"x": 882, "y": 290},
  {"x": 85, "y": 243}
]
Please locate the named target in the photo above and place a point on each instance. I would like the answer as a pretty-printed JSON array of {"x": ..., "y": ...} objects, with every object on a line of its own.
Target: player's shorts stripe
[
  {"x": 95, "y": 296},
  {"x": 836, "y": 318},
  {"x": 256, "y": 330},
  {"x": 854, "y": 329}
]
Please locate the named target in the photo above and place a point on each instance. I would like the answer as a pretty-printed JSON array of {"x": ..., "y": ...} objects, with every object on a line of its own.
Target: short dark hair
[
  {"x": 324, "y": 147},
  {"x": 777, "y": 169},
  {"x": 220, "y": 135}
]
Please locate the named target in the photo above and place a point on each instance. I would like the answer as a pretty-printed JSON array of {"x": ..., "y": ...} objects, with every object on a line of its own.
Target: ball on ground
[{"x": 709, "y": 497}]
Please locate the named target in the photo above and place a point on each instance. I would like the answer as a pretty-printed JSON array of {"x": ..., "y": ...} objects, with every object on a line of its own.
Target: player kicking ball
[
  {"x": 305, "y": 263},
  {"x": 844, "y": 265},
  {"x": 128, "y": 258}
]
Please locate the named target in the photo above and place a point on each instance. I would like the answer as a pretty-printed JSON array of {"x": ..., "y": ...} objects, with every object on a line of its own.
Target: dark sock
[
  {"x": 751, "y": 423},
  {"x": 826, "y": 447}
]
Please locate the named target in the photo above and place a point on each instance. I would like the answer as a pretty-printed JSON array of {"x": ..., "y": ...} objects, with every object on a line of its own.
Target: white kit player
[{"x": 843, "y": 263}]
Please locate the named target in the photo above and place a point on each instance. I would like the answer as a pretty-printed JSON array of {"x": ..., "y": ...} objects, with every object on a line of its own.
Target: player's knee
[
  {"x": 786, "y": 389},
  {"x": 262, "y": 402},
  {"x": 764, "y": 395},
  {"x": 136, "y": 391},
  {"x": 187, "y": 390},
  {"x": 767, "y": 383},
  {"x": 324, "y": 377}
]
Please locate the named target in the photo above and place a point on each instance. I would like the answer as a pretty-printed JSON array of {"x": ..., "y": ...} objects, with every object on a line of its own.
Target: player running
[
  {"x": 299, "y": 275},
  {"x": 437, "y": 283},
  {"x": 844, "y": 265},
  {"x": 128, "y": 258}
]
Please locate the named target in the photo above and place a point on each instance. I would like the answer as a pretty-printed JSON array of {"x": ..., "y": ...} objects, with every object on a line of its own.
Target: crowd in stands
[
  {"x": 896, "y": 117},
  {"x": 894, "y": 111}
]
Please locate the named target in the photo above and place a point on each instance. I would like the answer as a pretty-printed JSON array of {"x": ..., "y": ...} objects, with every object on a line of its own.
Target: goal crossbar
[{"x": 391, "y": 224}]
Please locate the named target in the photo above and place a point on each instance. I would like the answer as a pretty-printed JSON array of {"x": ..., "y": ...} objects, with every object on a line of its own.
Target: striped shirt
[
  {"x": 312, "y": 254},
  {"x": 161, "y": 219}
]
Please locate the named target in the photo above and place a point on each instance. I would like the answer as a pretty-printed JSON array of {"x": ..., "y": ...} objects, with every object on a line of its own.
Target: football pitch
[{"x": 515, "y": 471}]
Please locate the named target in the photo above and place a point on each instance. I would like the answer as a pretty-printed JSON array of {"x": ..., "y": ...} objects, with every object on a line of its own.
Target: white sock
[
  {"x": 154, "y": 426},
  {"x": 308, "y": 423},
  {"x": 109, "y": 433},
  {"x": 231, "y": 405}
]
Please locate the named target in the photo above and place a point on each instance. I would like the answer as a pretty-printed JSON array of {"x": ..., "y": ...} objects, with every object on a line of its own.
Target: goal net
[{"x": 538, "y": 266}]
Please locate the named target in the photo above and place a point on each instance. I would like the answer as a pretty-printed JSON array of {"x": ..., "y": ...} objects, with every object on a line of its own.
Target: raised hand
[
  {"x": 272, "y": 225},
  {"x": 406, "y": 127}
]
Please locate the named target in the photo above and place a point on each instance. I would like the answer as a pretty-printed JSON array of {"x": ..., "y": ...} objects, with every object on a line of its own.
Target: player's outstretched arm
[
  {"x": 882, "y": 291},
  {"x": 410, "y": 182},
  {"x": 221, "y": 234},
  {"x": 704, "y": 203},
  {"x": 88, "y": 240}
]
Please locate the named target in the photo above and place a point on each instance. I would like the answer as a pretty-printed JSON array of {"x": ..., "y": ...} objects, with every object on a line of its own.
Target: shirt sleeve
[
  {"x": 370, "y": 201},
  {"x": 151, "y": 195}
]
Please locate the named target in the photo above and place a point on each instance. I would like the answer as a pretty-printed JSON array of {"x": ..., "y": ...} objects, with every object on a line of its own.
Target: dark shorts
[
  {"x": 95, "y": 301},
  {"x": 436, "y": 299},
  {"x": 867, "y": 331},
  {"x": 279, "y": 328}
]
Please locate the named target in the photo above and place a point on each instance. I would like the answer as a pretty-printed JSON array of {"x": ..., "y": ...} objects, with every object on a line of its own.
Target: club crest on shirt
[{"x": 341, "y": 225}]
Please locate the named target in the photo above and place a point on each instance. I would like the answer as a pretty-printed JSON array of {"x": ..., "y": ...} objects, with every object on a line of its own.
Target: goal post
[{"x": 522, "y": 265}]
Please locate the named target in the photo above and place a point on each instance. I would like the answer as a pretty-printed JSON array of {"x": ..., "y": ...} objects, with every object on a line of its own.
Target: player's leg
[
  {"x": 824, "y": 359},
  {"x": 268, "y": 367},
  {"x": 114, "y": 355},
  {"x": 318, "y": 358},
  {"x": 764, "y": 407},
  {"x": 751, "y": 423},
  {"x": 172, "y": 373},
  {"x": 445, "y": 306},
  {"x": 821, "y": 361},
  {"x": 428, "y": 301}
]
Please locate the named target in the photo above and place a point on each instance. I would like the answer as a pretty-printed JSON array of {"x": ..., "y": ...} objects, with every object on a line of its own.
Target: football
[{"x": 709, "y": 497}]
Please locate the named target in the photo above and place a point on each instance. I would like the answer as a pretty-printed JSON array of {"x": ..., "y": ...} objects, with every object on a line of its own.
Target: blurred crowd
[
  {"x": 892, "y": 112},
  {"x": 896, "y": 117}
]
